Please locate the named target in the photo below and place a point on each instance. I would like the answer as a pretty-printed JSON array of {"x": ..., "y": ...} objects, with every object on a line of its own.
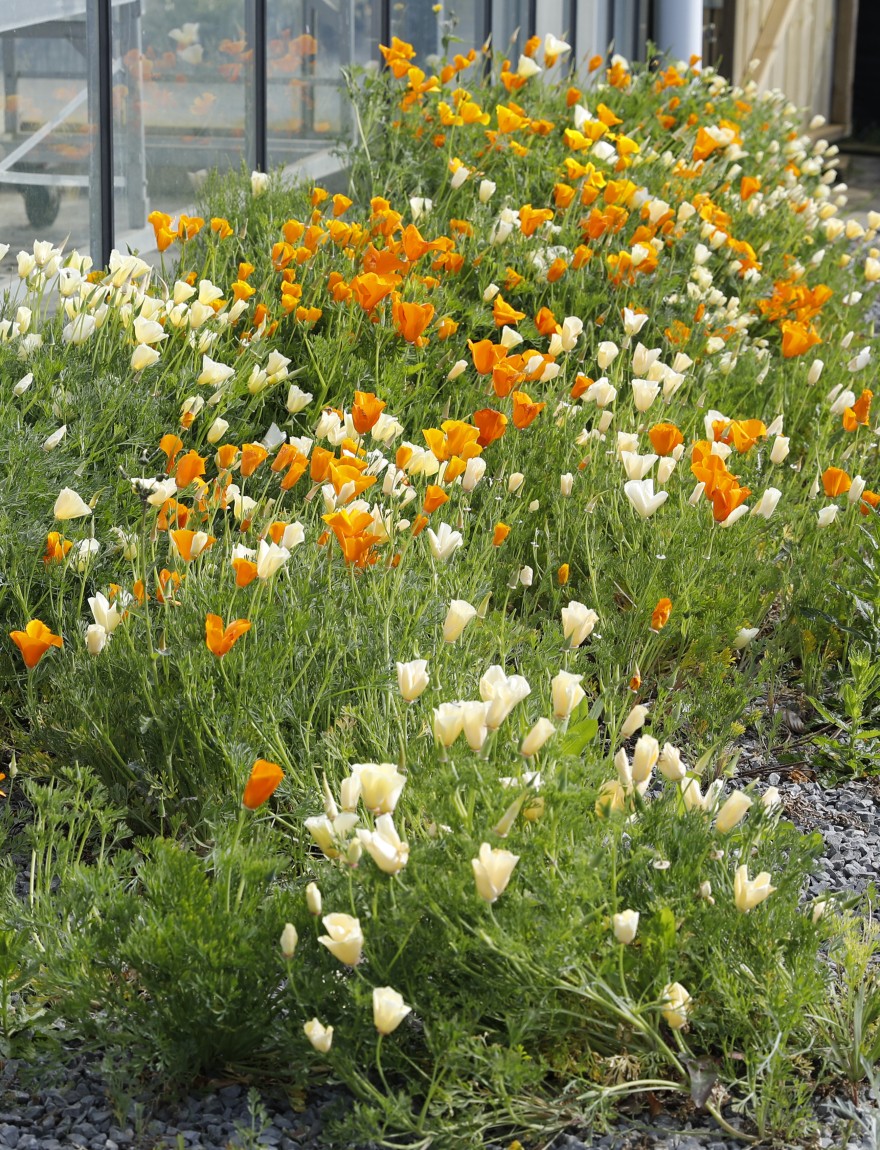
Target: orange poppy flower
[
  {"x": 446, "y": 328},
  {"x": 492, "y": 425},
  {"x": 870, "y": 500},
  {"x": 252, "y": 455},
  {"x": 263, "y": 781},
  {"x": 341, "y": 204},
  {"x": 172, "y": 512},
  {"x": 189, "y": 468},
  {"x": 218, "y": 640},
  {"x": 34, "y": 642},
  {"x": 562, "y": 575},
  {"x": 486, "y": 355},
  {"x": 524, "y": 410},
  {"x": 241, "y": 290},
  {"x": 835, "y": 482},
  {"x": 171, "y": 445},
  {"x": 503, "y": 313},
  {"x": 411, "y": 319},
  {"x": 454, "y": 438},
  {"x": 226, "y": 456},
  {"x": 745, "y": 433},
  {"x": 245, "y": 572},
  {"x": 419, "y": 524},
  {"x": 748, "y": 185},
  {"x": 183, "y": 542},
  {"x": 402, "y": 457},
  {"x": 369, "y": 288},
  {"x": 530, "y": 219},
  {"x": 727, "y": 498},
  {"x": 860, "y": 411},
  {"x": 56, "y": 547},
  {"x": 500, "y": 534},
  {"x": 365, "y": 411},
  {"x": 434, "y": 497},
  {"x": 797, "y": 338},
  {"x": 546, "y": 323},
  {"x": 660, "y": 614},
  {"x": 507, "y": 374},
  {"x": 665, "y": 437}
]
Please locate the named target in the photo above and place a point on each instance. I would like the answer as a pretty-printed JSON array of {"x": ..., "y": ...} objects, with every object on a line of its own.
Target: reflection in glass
[
  {"x": 45, "y": 143},
  {"x": 309, "y": 42},
  {"x": 180, "y": 101}
]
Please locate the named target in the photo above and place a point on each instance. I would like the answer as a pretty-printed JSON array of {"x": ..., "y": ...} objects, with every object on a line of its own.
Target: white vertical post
[{"x": 679, "y": 28}]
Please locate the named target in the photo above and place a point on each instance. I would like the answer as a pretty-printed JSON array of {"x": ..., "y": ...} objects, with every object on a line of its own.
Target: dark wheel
[{"x": 42, "y": 205}]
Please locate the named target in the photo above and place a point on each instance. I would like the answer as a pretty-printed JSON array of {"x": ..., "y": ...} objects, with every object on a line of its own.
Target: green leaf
[{"x": 577, "y": 737}]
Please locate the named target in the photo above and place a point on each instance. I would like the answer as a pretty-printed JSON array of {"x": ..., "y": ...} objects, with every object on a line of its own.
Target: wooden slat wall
[{"x": 802, "y": 65}]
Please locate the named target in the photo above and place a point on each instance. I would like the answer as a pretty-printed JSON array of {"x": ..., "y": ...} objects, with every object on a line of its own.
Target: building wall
[{"x": 802, "y": 64}]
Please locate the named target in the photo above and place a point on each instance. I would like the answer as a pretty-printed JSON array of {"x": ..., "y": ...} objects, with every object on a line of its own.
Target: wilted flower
[
  {"x": 380, "y": 785},
  {"x": 670, "y": 765},
  {"x": 52, "y": 441},
  {"x": 744, "y": 636},
  {"x": 96, "y": 638},
  {"x": 634, "y": 721},
  {"x": 259, "y": 182},
  {"x": 448, "y": 723},
  {"x": 537, "y": 737},
  {"x": 645, "y": 755},
  {"x": 766, "y": 505},
  {"x": 780, "y": 449},
  {"x": 501, "y": 692},
  {"x": 106, "y": 614}
]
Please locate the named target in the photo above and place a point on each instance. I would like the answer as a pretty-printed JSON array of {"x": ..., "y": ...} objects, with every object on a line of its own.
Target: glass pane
[
  {"x": 510, "y": 26},
  {"x": 309, "y": 42},
  {"x": 456, "y": 26},
  {"x": 181, "y": 102},
  {"x": 46, "y": 143}
]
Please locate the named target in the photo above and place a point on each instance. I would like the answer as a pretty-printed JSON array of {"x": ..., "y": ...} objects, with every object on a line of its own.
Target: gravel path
[{"x": 75, "y": 1111}]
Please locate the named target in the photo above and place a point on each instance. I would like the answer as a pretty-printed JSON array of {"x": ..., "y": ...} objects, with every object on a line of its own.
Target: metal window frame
[
  {"x": 99, "y": 20},
  {"x": 99, "y": 33}
]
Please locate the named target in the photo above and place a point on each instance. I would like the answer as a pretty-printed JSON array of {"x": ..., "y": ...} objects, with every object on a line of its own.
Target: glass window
[
  {"x": 47, "y": 154},
  {"x": 309, "y": 42},
  {"x": 182, "y": 96}
]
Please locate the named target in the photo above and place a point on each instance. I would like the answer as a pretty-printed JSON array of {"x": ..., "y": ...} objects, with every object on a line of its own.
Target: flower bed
[{"x": 391, "y": 575}]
